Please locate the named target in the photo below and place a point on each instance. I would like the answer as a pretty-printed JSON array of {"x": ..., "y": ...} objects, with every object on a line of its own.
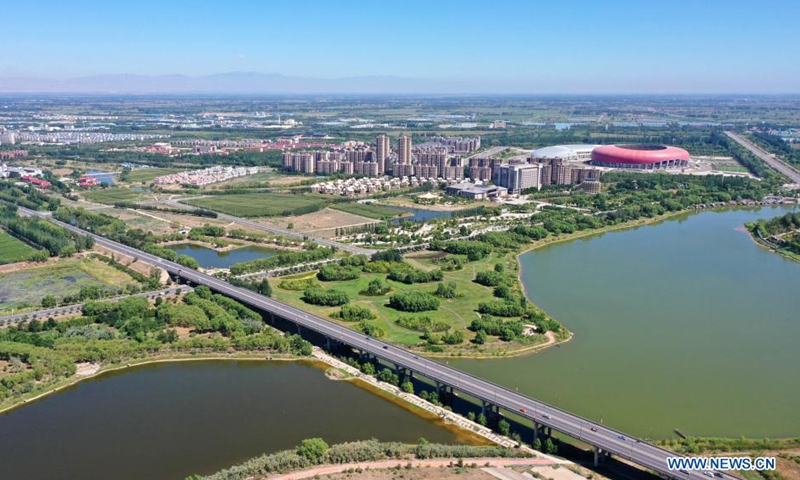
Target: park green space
[
  {"x": 369, "y": 210},
  {"x": 13, "y": 250},
  {"x": 110, "y": 196},
  {"x": 458, "y": 312},
  {"x": 62, "y": 278},
  {"x": 260, "y": 204},
  {"x": 148, "y": 174}
]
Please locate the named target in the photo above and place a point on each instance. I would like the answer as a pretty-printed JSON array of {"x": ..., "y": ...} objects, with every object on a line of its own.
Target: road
[
  {"x": 73, "y": 309},
  {"x": 595, "y": 434},
  {"x": 356, "y": 250},
  {"x": 784, "y": 168}
]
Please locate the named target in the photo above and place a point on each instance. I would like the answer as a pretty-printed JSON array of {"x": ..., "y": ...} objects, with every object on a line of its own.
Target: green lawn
[
  {"x": 148, "y": 174},
  {"x": 458, "y": 312},
  {"x": 261, "y": 204},
  {"x": 369, "y": 210},
  {"x": 66, "y": 277},
  {"x": 13, "y": 250},
  {"x": 110, "y": 196},
  {"x": 730, "y": 168}
]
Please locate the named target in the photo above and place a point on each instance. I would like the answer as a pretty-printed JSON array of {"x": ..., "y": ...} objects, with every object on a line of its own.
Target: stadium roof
[{"x": 560, "y": 151}]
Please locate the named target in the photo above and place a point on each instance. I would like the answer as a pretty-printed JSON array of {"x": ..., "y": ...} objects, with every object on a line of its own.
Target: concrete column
[
  {"x": 596, "y": 456},
  {"x": 535, "y": 431}
]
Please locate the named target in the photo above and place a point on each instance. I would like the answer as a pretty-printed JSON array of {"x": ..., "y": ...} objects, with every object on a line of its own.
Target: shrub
[
  {"x": 490, "y": 278},
  {"x": 376, "y": 288},
  {"x": 410, "y": 275},
  {"x": 421, "y": 324},
  {"x": 414, "y": 302},
  {"x": 354, "y": 313},
  {"x": 328, "y": 298},
  {"x": 335, "y": 273}
]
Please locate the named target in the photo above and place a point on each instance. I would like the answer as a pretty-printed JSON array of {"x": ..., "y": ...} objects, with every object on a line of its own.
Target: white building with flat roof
[{"x": 570, "y": 153}]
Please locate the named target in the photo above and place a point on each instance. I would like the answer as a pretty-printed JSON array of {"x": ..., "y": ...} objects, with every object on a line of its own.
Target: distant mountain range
[
  {"x": 243, "y": 83},
  {"x": 233, "y": 83}
]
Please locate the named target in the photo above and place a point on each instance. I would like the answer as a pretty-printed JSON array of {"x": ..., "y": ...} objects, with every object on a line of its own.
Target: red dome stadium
[{"x": 640, "y": 156}]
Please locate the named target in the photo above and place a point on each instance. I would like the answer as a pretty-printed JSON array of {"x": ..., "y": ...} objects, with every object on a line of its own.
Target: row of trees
[
  {"x": 283, "y": 260},
  {"x": 56, "y": 240}
]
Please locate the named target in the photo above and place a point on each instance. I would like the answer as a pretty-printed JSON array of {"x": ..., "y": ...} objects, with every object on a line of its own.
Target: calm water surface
[
  {"x": 686, "y": 324},
  {"x": 107, "y": 178},
  {"x": 421, "y": 215},
  {"x": 167, "y": 421},
  {"x": 209, "y": 258}
]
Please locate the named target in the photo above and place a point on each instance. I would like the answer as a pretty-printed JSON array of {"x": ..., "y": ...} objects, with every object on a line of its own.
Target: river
[
  {"x": 166, "y": 421},
  {"x": 686, "y": 324}
]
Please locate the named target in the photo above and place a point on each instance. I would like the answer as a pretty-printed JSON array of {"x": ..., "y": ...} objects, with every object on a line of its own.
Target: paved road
[
  {"x": 76, "y": 308},
  {"x": 280, "y": 231},
  {"x": 614, "y": 441},
  {"x": 784, "y": 168}
]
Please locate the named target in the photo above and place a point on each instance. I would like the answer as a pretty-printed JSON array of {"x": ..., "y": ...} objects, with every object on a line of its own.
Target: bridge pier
[{"x": 600, "y": 456}]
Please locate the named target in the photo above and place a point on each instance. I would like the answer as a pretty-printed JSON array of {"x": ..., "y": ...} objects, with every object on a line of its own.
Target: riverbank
[{"x": 779, "y": 235}]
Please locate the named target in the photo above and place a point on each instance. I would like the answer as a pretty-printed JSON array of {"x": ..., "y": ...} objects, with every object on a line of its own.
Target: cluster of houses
[
  {"x": 205, "y": 176},
  {"x": 369, "y": 185}
]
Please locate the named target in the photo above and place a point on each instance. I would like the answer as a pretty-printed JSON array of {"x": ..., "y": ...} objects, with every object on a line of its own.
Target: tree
[
  {"x": 49, "y": 301},
  {"x": 264, "y": 288},
  {"x": 503, "y": 427},
  {"x": 368, "y": 368},
  {"x": 537, "y": 444},
  {"x": 480, "y": 338},
  {"x": 408, "y": 386},
  {"x": 482, "y": 419},
  {"x": 313, "y": 449},
  {"x": 471, "y": 416},
  {"x": 550, "y": 448},
  {"x": 499, "y": 268}
]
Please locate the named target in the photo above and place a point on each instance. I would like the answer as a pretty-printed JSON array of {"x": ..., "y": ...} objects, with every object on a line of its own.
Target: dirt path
[{"x": 385, "y": 464}]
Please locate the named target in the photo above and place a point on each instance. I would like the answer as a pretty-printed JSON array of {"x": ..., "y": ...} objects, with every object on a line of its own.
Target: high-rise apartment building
[
  {"x": 382, "y": 151},
  {"x": 404, "y": 149},
  {"x": 518, "y": 177}
]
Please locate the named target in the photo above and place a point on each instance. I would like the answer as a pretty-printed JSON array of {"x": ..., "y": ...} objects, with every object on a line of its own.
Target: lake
[
  {"x": 421, "y": 215},
  {"x": 169, "y": 420},
  {"x": 103, "y": 177},
  {"x": 686, "y": 324},
  {"x": 210, "y": 258}
]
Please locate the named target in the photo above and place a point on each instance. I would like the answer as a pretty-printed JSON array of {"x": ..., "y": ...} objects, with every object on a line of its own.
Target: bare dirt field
[
  {"x": 323, "y": 223},
  {"x": 417, "y": 469}
]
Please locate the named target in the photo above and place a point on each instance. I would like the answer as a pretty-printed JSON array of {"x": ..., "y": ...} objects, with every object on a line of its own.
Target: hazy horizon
[{"x": 514, "y": 47}]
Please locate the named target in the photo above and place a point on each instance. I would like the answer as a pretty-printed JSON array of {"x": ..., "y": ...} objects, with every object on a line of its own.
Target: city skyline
[{"x": 447, "y": 47}]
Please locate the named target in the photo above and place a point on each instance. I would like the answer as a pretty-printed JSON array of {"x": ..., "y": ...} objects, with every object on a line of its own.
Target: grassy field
[
  {"x": 260, "y": 204},
  {"x": 66, "y": 277},
  {"x": 458, "y": 312},
  {"x": 148, "y": 174},
  {"x": 110, "y": 196},
  {"x": 730, "y": 168},
  {"x": 369, "y": 210},
  {"x": 13, "y": 250}
]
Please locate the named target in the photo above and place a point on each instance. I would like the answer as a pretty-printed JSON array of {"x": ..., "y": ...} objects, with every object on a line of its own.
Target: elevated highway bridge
[{"x": 544, "y": 417}]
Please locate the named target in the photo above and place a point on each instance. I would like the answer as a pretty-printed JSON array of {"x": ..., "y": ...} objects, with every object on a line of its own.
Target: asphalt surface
[
  {"x": 610, "y": 440},
  {"x": 784, "y": 168},
  {"x": 76, "y": 308}
]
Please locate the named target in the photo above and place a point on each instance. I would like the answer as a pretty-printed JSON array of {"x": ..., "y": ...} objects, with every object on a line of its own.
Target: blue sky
[{"x": 663, "y": 46}]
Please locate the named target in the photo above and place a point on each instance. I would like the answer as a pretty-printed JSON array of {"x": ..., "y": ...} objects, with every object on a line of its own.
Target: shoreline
[
  {"x": 76, "y": 379},
  {"x": 787, "y": 255}
]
